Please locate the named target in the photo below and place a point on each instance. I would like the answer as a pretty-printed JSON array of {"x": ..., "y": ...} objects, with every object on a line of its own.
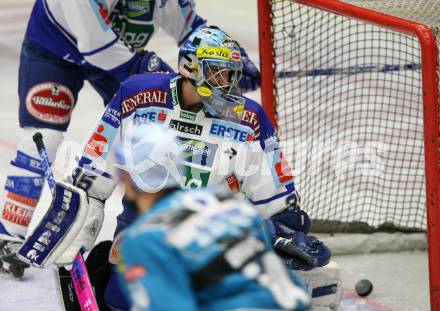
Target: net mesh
[{"x": 349, "y": 113}]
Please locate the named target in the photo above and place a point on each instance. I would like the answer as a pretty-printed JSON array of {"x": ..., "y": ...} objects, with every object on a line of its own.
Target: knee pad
[
  {"x": 25, "y": 182},
  {"x": 324, "y": 285}
]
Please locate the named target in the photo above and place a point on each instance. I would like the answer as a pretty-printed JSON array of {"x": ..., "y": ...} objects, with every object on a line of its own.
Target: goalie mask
[{"x": 211, "y": 60}]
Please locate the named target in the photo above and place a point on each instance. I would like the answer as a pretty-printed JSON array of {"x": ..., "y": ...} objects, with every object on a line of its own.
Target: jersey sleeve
[
  {"x": 268, "y": 182},
  {"x": 153, "y": 275},
  {"x": 95, "y": 170},
  {"x": 177, "y": 18},
  {"x": 87, "y": 23}
]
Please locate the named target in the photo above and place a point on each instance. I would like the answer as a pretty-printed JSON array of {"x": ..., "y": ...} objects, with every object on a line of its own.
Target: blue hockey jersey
[
  {"x": 194, "y": 251},
  {"x": 107, "y": 33}
]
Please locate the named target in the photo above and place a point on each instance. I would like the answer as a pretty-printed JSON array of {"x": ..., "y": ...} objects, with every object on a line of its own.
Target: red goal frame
[{"x": 430, "y": 85}]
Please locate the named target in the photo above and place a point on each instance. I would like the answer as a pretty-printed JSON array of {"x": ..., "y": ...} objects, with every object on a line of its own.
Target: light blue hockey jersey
[{"x": 197, "y": 251}]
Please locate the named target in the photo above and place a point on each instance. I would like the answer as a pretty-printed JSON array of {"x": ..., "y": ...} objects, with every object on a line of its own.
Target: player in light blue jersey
[
  {"x": 66, "y": 43},
  {"x": 194, "y": 250}
]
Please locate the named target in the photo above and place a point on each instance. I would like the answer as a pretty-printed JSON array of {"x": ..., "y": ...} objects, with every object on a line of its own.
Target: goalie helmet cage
[{"x": 352, "y": 88}]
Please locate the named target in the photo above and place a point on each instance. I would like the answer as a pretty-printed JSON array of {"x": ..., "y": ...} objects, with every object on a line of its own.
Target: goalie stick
[{"x": 79, "y": 279}]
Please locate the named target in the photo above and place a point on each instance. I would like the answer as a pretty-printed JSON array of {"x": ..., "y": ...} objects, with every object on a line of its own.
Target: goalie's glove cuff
[
  {"x": 149, "y": 62},
  {"x": 287, "y": 222}
]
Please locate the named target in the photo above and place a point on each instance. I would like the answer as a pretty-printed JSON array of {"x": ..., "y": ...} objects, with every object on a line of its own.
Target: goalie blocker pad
[{"x": 70, "y": 224}]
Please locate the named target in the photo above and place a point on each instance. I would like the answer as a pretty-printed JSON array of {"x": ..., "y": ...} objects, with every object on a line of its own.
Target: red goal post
[{"x": 430, "y": 92}]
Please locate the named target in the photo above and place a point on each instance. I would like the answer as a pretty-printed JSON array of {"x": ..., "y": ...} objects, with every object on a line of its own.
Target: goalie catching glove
[
  {"x": 288, "y": 231},
  {"x": 71, "y": 224}
]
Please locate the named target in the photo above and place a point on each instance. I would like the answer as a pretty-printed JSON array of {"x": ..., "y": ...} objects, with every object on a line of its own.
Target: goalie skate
[{"x": 10, "y": 265}]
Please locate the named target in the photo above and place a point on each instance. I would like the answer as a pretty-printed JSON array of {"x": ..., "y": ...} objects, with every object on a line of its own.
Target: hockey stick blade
[{"x": 66, "y": 290}]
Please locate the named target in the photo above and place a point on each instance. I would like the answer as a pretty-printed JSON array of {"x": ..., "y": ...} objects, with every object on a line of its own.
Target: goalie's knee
[{"x": 324, "y": 286}]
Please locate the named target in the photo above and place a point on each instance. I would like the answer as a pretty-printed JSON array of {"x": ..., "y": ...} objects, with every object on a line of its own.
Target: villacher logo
[{"x": 185, "y": 127}]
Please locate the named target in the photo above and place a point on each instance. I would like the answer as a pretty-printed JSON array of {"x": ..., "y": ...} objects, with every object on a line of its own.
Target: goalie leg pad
[
  {"x": 324, "y": 285},
  {"x": 70, "y": 224}
]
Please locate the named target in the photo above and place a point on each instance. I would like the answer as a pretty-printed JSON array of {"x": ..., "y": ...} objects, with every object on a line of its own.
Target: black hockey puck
[{"x": 363, "y": 287}]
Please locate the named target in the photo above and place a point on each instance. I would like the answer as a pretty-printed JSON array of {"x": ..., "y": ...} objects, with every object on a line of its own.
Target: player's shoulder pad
[
  {"x": 148, "y": 80},
  {"x": 145, "y": 90}
]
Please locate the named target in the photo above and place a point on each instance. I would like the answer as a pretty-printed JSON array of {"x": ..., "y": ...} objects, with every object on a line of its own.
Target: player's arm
[
  {"x": 271, "y": 189},
  {"x": 152, "y": 273},
  {"x": 89, "y": 25}
]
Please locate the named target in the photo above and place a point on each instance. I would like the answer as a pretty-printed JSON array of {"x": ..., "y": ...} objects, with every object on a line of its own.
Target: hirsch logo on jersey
[
  {"x": 50, "y": 102},
  {"x": 151, "y": 114},
  {"x": 97, "y": 146},
  {"x": 145, "y": 98},
  {"x": 198, "y": 152},
  {"x": 231, "y": 131},
  {"x": 185, "y": 127}
]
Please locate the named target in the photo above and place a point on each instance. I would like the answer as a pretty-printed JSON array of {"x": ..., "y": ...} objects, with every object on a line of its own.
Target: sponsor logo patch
[
  {"x": 185, "y": 127},
  {"x": 112, "y": 117},
  {"x": 235, "y": 56},
  {"x": 233, "y": 183},
  {"x": 97, "y": 146},
  {"x": 188, "y": 115},
  {"x": 16, "y": 214},
  {"x": 198, "y": 152},
  {"x": 137, "y": 8},
  {"x": 151, "y": 114},
  {"x": 283, "y": 172},
  {"x": 22, "y": 199},
  {"x": 50, "y": 102},
  {"x": 145, "y": 98},
  {"x": 230, "y": 131},
  {"x": 134, "y": 273},
  {"x": 251, "y": 118},
  {"x": 195, "y": 178},
  {"x": 215, "y": 52}
]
